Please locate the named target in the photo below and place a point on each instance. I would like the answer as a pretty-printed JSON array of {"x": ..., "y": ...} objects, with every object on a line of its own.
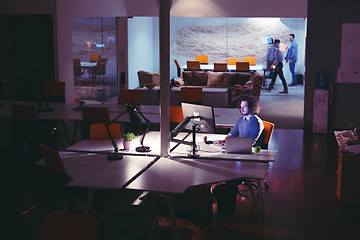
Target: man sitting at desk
[{"x": 249, "y": 124}]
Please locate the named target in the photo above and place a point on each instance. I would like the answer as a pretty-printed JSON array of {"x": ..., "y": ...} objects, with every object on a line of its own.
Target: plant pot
[{"x": 127, "y": 145}]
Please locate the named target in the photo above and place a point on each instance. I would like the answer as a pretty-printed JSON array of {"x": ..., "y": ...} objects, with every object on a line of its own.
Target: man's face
[
  {"x": 244, "y": 109},
  {"x": 291, "y": 38}
]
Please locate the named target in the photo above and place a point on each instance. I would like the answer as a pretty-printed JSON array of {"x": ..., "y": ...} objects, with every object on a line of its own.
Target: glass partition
[{"x": 94, "y": 58}]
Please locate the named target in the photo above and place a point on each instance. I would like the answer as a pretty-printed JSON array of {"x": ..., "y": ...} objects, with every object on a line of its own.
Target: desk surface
[
  {"x": 176, "y": 175},
  {"x": 170, "y": 175},
  {"x": 152, "y": 139}
]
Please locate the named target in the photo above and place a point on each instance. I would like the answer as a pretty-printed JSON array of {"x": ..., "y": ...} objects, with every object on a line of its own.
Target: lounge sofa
[
  {"x": 213, "y": 79},
  {"x": 239, "y": 84}
]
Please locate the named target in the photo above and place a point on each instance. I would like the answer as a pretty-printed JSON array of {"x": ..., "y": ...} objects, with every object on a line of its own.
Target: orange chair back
[
  {"x": 176, "y": 114},
  {"x": 98, "y": 131},
  {"x": 177, "y": 67},
  {"x": 268, "y": 130},
  {"x": 242, "y": 66},
  {"x": 193, "y": 65},
  {"x": 251, "y": 60},
  {"x": 52, "y": 159},
  {"x": 191, "y": 95},
  {"x": 95, "y": 114},
  {"x": 220, "y": 67},
  {"x": 129, "y": 96},
  {"x": 203, "y": 59},
  {"x": 95, "y": 57},
  {"x": 176, "y": 63},
  {"x": 232, "y": 61},
  {"x": 24, "y": 112}
]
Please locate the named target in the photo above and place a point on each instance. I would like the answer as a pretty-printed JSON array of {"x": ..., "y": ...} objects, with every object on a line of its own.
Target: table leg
[
  {"x": 89, "y": 200},
  {"x": 249, "y": 185},
  {"x": 260, "y": 192},
  {"x": 170, "y": 202}
]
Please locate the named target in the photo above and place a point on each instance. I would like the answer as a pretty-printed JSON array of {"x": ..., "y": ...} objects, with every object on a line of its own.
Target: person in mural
[
  {"x": 278, "y": 69},
  {"x": 291, "y": 57}
]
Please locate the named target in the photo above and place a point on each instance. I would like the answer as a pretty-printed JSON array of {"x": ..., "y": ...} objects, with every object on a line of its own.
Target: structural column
[{"x": 164, "y": 32}]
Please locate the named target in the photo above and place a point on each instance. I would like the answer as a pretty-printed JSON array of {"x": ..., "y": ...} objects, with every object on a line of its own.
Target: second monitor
[{"x": 205, "y": 122}]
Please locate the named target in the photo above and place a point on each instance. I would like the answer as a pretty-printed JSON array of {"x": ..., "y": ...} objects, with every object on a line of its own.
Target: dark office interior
[{"x": 301, "y": 201}]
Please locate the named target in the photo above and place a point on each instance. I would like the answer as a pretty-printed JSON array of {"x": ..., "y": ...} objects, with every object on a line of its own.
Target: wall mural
[{"x": 220, "y": 38}]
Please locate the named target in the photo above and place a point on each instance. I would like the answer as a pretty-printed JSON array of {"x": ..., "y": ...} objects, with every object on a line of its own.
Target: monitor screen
[{"x": 205, "y": 123}]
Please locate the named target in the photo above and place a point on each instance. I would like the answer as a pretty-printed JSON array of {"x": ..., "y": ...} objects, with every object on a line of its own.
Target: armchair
[
  {"x": 148, "y": 78},
  {"x": 251, "y": 88}
]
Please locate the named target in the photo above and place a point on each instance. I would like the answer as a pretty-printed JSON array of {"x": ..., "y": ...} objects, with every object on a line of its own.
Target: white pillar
[{"x": 164, "y": 36}]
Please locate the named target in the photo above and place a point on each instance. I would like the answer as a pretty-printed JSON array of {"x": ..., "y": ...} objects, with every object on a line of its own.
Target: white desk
[
  {"x": 172, "y": 175},
  {"x": 210, "y": 67},
  {"x": 152, "y": 139},
  {"x": 175, "y": 175}
]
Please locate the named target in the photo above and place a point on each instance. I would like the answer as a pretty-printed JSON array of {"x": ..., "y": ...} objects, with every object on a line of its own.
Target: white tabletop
[
  {"x": 95, "y": 171},
  {"x": 170, "y": 175},
  {"x": 152, "y": 139},
  {"x": 176, "y": 175},
  {"x": 88, "y": 64}
]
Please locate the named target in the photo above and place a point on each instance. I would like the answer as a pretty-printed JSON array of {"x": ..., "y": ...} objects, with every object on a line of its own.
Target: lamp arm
[
  {"x": 138, "y": 112},
  {"x": 116, "y": 118},
  {"x": 107, "y": 125},
  {"x": 143, "y": 136},
  {"x": 116, "y": 147}
]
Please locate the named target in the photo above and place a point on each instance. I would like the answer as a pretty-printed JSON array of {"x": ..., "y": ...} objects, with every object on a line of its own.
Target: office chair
[
  {"x": 95, "y": 57},
  {"x": 176, "y": 116},
  {"x": 68, "y": 226},
  {"x": 191, "y": 95},
  {"x": 100, "y": 68},
  {"x": 53, "y": 91},
  {"x": 193, "y": 65},
  {"x": 267, "y": 134},
  {"x": 220, "y": 67},
  {"x": 27, "y": 128},
  {"x": 242, "y": 66},
  {"x": 232, "y": 61},
  {"x": 129, "y": 96},
  {"x": 177, "y": 67},
  {"x": 251, "y": 60},
  {"x": 78, "y": 72},
  {"x": 95, "y": 114},
  {"x": 57, "y": 176},
  {"x": 97, "y": 131},
  {"x": 203, "y": 59}
]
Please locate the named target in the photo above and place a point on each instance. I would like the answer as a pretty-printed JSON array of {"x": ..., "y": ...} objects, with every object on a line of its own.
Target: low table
[{"x": 215, "y": 97}]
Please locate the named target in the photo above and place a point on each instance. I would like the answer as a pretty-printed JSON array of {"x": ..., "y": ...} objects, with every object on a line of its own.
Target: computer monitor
[{"x": 205, "y": 123}]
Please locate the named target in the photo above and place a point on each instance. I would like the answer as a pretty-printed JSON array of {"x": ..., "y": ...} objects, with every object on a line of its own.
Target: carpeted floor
[{"x": 286, "y": 111}]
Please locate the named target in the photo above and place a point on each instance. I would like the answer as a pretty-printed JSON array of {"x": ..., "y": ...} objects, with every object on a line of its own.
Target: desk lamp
[
  {"x": 116, "y": 155},
  {"x": 131, "y": 108},
  {"x": 180, "y": 127}
]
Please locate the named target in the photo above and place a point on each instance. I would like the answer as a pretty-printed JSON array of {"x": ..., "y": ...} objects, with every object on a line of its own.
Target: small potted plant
[{"x": 127, "y": 139}]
